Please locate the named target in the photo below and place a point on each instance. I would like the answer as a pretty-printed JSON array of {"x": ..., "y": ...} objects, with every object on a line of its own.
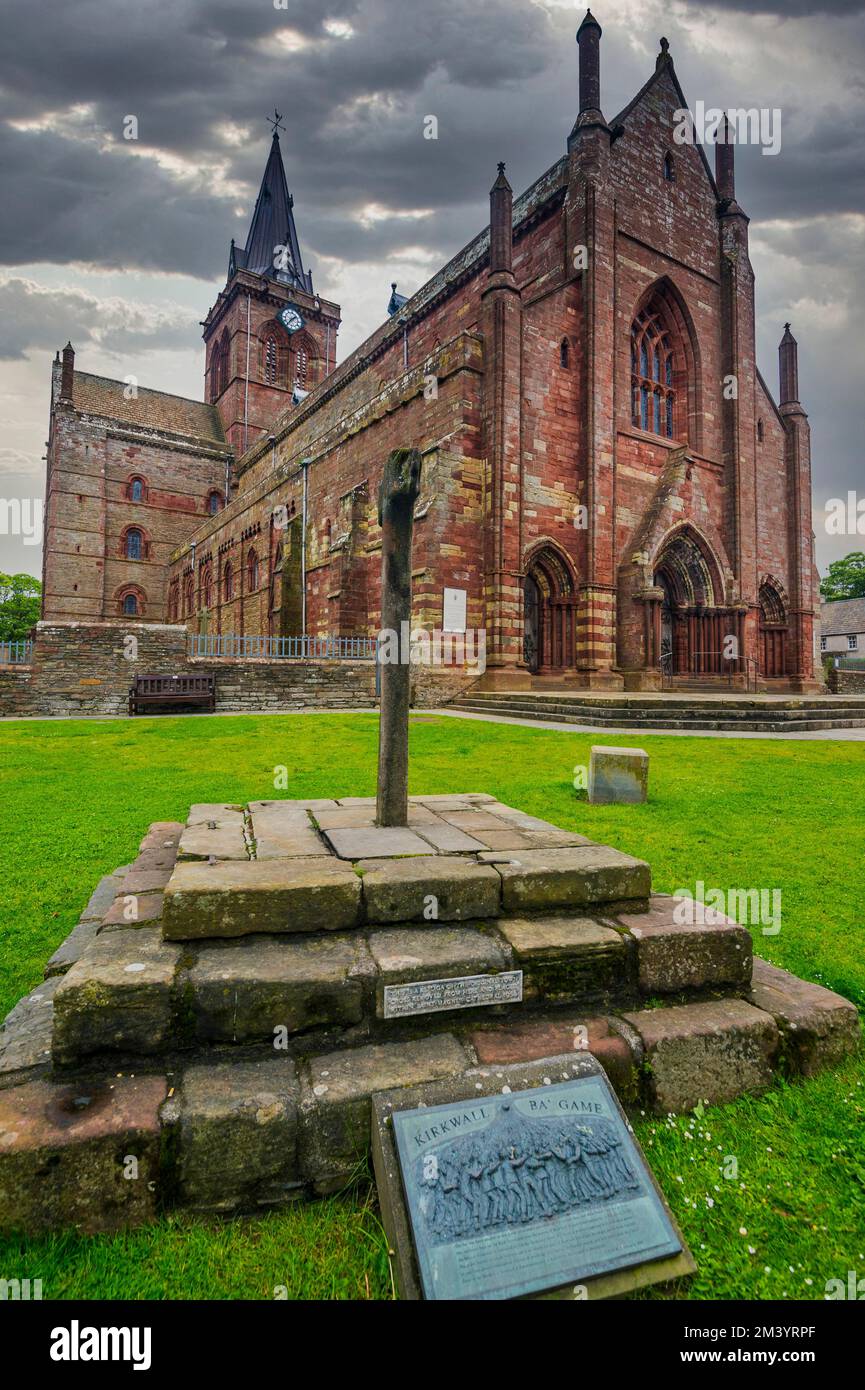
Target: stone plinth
[
  {"x": 618, "y": 775},
  {"x": 229, "y": 1005}
]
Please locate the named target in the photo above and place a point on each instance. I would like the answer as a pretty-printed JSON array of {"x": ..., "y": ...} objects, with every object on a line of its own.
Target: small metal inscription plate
[
  {"x": 461, "y": 992},
  {"x": 516, "y": 1193}
]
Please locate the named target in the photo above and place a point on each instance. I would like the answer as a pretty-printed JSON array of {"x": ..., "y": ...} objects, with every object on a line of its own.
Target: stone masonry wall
[
  {"x": 83, "y": 669},
  {"x": 842, "y": 682}
]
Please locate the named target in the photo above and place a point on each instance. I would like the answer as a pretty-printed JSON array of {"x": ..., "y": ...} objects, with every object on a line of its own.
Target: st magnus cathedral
[{"x": 610, "y": 509}]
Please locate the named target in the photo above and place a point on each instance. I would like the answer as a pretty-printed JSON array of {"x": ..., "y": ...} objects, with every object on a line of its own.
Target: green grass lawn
[{"x": 78, "y": 796}]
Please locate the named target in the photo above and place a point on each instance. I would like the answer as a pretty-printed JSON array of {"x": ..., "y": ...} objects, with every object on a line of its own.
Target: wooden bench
[{"x": 169, "y": 692}]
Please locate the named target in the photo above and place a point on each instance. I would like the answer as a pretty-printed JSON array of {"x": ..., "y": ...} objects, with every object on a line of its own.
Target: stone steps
[
  {"x": 134, "y": 993},
  {"x": 233, "y": 1072},
  {"x": 219, "y": 1134},
  {"x": 712, "y": 716}
]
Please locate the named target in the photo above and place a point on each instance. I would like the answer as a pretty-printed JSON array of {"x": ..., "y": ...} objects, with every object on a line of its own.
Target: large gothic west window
[{"x": 653, "y": 398}]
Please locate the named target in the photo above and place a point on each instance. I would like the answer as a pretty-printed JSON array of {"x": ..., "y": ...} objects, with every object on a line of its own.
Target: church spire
[{"x": 272, "y": 248}]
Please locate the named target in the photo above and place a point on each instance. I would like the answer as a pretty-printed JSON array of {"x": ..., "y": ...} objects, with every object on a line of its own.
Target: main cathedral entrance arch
[
  {"x": 549, "y": 612},
  {"x": 692, "y": 621}
]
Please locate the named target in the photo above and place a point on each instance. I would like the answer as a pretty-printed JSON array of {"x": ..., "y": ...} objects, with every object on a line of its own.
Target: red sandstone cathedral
[{"x": 607, "y": 478}]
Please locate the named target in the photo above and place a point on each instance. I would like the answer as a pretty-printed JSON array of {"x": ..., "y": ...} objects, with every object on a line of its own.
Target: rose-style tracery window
[{"x": 652, "y": 394}]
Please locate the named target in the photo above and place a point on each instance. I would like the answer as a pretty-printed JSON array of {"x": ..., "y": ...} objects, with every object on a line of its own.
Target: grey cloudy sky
[{"x": 122, "y": 245}]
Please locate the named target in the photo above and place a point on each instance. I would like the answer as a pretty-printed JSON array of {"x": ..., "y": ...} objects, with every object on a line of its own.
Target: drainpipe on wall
[
  {"x": 246, "y": 388},
  {"x": 304, "y": 463}
]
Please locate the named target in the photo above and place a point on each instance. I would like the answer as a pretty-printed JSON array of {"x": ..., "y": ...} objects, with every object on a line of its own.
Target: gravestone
[
  {"x": 396, "y": 499},
  {"x": 491, "y": 1190},
  {"x": 618, "y": 775}
]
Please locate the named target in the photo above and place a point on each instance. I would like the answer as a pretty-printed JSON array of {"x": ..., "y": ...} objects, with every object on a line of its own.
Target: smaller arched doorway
[
  {"x": 773, "y": 630},
  {"x": 549, "y": 613},
  {"x": 693, "y": 625}
]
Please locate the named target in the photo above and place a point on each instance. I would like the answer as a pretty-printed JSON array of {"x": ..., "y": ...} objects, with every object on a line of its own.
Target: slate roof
[
  {"x": 272, "y": 225},
  {"x": 99, "y": 395},
  {"x": 842, "y": 616}
]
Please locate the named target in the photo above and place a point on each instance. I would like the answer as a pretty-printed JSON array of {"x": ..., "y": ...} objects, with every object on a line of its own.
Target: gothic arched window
[
  {"x": 130, "y": 605},
  {"x": 251, "y": 572},
  {"x": 652, "y": 394},
  {"x": 227, "y": 582},
  {"x": 214, "y": 502},
  {"x": 564, "y": 353},
  {"x": 190, "y": 595},
  {"x": 134, "y": 544},
  {"x": 136, "y": 490},
  {"x": 669, "y": 168}
]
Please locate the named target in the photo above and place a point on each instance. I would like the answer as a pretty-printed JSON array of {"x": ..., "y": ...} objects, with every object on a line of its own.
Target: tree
[
  {"x": 845, "y": 579},
  {"x": 20, "y": 605}
]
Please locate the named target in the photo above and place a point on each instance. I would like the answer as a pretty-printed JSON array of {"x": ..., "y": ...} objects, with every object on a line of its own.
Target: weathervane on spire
[{"x": 276, "y": 123}]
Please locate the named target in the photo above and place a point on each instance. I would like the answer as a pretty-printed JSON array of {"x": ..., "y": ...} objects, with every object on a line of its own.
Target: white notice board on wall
[{"x": 454, "y": 610}]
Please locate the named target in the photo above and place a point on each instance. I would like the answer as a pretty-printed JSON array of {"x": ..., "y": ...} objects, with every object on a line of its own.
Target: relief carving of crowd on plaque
[{"x": 520, "y": 1170}]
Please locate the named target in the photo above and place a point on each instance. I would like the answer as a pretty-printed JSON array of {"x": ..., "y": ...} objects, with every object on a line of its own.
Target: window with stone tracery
[{"x": 653, "y": 397}]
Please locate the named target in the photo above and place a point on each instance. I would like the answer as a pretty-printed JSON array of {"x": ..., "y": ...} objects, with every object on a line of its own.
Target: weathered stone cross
[{"x": 399, "y": 489}]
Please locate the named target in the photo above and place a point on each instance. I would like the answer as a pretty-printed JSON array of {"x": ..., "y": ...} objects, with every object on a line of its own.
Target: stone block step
[
  {"x": 227, "y": 898},
  {"x": 226, "y": 1135},
  {"x": 81, "y": 1155},
  {"x": 133, "y": 992},
  {"x": 716, "y": 716}
]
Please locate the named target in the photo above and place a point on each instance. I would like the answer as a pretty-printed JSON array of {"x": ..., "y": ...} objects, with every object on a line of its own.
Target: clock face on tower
[{"x": 290, "y": 319}]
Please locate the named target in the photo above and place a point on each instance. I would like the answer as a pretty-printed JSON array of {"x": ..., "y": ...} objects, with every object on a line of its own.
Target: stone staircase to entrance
[
  {"x": 673, "y": 710},
  {"x": 211, "y": 1033}
]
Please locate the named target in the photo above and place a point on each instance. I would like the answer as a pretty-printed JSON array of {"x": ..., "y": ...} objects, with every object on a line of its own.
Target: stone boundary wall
[
  {"x": 87, "y": 669},
  {"x": 841, "y": 682}
]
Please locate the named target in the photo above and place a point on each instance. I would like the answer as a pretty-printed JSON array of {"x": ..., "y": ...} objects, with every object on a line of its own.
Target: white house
[{"x": 842, "y": 627}]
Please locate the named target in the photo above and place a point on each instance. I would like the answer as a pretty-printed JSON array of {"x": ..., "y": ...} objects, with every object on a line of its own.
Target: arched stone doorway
[
  {"x": 773, "y": 630},
  {"x": 692, "y": 623},
  {"x": 549, "y": 613}
]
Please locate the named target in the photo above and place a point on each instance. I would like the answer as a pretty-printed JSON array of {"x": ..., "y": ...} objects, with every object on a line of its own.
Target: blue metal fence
[
  {"x": 17, "y": 653},
  {"x": 282, "y": 648}
]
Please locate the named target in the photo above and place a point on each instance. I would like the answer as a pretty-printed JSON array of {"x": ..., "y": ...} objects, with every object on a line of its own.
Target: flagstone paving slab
[
  {"x": 375, "y": 842},
  {"x": 206, "y": 840},
  {"x": 447, "y": 839}
]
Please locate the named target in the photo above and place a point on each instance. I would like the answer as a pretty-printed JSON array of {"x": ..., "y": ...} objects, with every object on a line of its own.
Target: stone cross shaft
[{"x": 399, "y": 489}]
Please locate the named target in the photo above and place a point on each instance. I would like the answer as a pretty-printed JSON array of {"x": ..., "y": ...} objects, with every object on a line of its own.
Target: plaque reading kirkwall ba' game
[
  {"x": 519, "y": 1192},
  {"x": 459, "y": 992}
]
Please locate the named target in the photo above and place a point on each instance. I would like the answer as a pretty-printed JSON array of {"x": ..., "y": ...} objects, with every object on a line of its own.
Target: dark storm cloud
[
  {"x": 501, "y": 78},
  {"x": 793, "y": 9},
  {"x": 353, "y": 123},
  {"x": 30, "y": 315}
]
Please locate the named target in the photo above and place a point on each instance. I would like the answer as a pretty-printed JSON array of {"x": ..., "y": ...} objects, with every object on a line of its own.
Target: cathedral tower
[{"x": 269, "y": 338}]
